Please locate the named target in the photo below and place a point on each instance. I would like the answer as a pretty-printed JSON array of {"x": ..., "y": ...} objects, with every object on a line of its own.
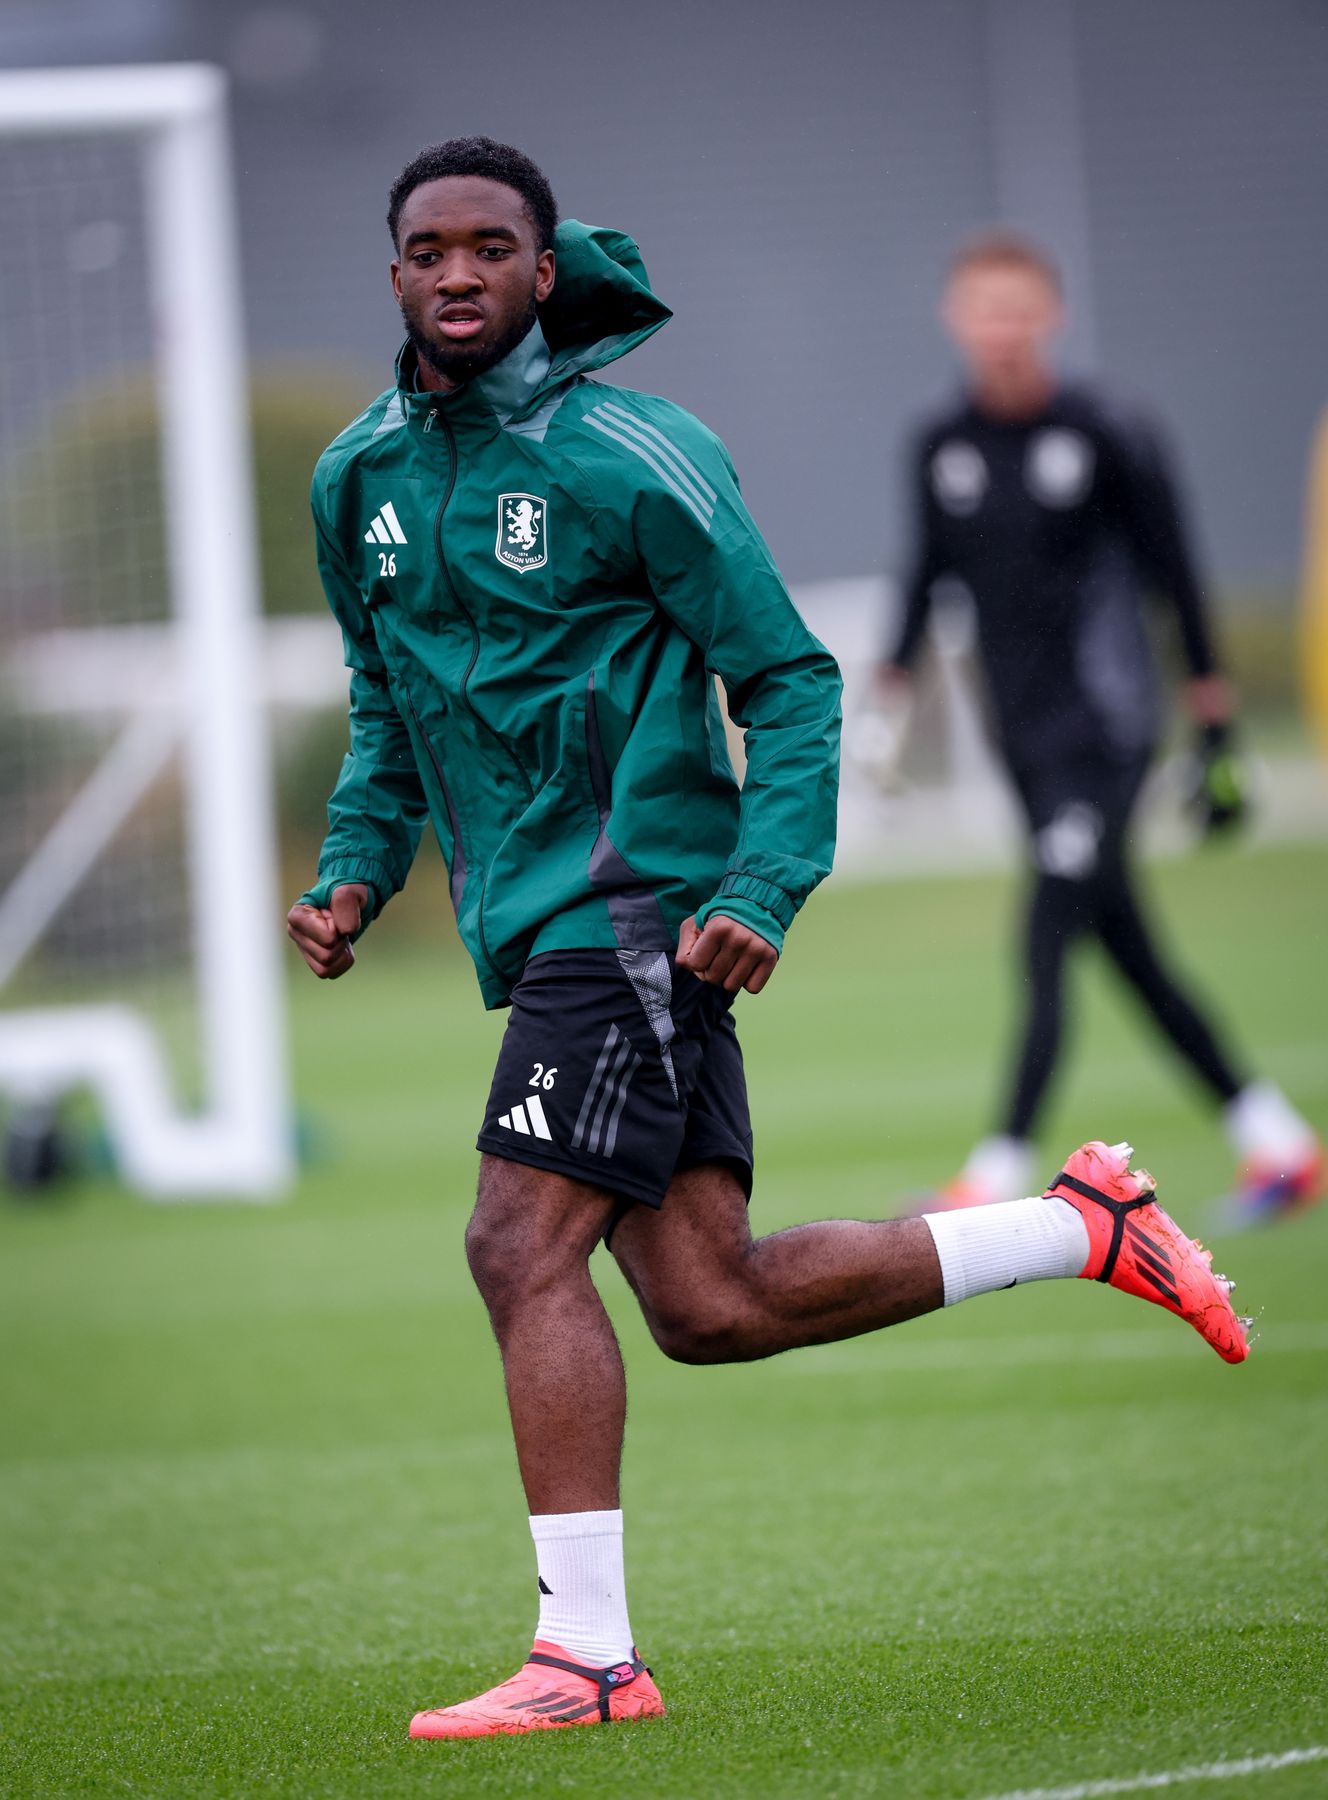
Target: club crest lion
[{"x": 523, "y": 536}]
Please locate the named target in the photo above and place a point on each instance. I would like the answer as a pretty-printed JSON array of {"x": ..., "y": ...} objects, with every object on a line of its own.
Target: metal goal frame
[{"x": 240, "y": 1143}]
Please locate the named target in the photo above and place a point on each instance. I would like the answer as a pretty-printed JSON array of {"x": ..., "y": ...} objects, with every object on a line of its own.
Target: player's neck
[
  {"x": 431, "y": 382},
  {"x": 1014, "y": 394}
]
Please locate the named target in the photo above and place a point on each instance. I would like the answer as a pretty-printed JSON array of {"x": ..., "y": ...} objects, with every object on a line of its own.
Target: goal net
[{"x": 138, "y": 955}]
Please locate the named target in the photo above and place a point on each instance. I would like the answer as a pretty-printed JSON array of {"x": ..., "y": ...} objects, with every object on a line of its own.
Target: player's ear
[
  {"x": 396, "y": 278},
  {"x": 545, "y": 271}
]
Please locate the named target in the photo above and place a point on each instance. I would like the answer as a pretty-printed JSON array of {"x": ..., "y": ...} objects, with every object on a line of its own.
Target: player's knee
[
  {"x": 496, "y": 1229},
  {"x": 505, "y": 1265},
  {"x": 691, "y": 1341},
  {"x": 489, "y": 1254},
  {"x": 698, "y": 1334},
  {"x": 530, "y": 1232}
]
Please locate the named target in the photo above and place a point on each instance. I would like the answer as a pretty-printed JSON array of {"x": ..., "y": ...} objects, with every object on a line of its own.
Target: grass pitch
[{"x": 258, "y": 1501}]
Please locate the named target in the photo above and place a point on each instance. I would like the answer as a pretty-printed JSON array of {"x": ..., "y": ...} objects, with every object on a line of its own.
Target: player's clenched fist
[
  {"x": 727, "y": 954},
  {"x": 322, "y": 934}
]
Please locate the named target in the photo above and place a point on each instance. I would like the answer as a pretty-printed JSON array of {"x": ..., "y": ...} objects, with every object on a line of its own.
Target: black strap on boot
[
  {"x": 1119, "y": 1210},
  {"x": 608, "y": 1681}
]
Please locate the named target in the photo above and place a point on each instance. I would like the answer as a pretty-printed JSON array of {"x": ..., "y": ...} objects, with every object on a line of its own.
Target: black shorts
[{"x": 619, "y": 1069}]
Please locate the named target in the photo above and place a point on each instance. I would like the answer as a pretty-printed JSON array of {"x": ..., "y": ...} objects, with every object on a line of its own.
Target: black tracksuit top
[{"x": 1056, "y": 525}]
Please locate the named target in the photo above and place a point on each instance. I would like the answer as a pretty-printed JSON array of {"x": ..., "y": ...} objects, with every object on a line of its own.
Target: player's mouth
[{"x": 460, "y": 322}]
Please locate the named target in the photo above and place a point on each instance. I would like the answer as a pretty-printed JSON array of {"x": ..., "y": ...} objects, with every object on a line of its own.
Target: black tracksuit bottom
[{"x": 1078, "y": 815}]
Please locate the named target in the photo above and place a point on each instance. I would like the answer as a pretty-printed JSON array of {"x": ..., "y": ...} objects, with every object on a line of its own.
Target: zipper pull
[{"x": 432, "y": 419}]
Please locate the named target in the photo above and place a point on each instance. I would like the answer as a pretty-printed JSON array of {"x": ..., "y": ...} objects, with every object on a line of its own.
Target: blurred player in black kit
[{"x": 1057, "y": 514}]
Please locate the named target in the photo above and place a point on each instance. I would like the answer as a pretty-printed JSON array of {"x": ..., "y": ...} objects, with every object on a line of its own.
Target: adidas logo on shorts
[{"x": 527, "y": 1119}]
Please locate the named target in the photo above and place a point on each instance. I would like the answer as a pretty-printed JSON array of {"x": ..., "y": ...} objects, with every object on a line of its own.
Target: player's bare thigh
[{"x": 687, "y": 1263}]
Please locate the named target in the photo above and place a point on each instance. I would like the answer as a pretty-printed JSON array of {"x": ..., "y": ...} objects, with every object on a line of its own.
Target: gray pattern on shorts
[{"x": 651, "y": 975}]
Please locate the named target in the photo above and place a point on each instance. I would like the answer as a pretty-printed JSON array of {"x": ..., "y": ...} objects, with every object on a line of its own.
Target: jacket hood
[{"x": 601, "y": 305}]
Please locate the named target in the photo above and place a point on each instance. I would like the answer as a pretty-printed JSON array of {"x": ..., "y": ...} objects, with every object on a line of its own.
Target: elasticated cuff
[
  {"x": 746, "y": 912},
  {"x": 372, "y": 874},
  {"x": 766, "y": 894}
]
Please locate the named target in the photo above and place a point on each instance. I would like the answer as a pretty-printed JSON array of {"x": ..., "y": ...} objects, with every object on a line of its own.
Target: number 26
[
  {"x": 542, "y": 1077},
  {"x": 387, "y": 565}
]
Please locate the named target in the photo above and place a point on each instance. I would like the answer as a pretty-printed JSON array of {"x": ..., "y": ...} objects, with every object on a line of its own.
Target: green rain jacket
[{"x": 536, "y": 578}]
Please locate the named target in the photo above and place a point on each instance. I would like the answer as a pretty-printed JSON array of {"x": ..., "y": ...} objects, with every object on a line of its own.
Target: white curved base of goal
[{"x": 111, "y": 1051}]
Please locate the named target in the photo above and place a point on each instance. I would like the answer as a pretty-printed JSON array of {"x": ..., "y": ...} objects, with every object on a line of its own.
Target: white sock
[
  {"x": 583, "y": 1591},
  {"x": 1262, "y": 1124},
  {"x": 1001, "y": 1166},
  {"x": 985, "y": 1247}
]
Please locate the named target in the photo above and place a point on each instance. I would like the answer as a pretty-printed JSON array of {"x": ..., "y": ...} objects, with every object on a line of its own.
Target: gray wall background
[{"x": 796, "y": 176}]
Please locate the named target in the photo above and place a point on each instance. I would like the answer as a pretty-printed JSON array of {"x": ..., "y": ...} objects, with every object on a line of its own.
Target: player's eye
[
  {"x": 423, "y": 258},
  {"x": 495, "y": 252}
]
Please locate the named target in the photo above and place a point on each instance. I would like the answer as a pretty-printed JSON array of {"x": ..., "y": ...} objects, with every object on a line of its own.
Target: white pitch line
[
  {"x": 1031, "y": 1352},
  {"x": 1135, "y": 1784}
]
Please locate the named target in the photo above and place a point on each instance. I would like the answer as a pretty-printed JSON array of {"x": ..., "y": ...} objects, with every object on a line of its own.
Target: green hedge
[{"x": 83, "y": 515}]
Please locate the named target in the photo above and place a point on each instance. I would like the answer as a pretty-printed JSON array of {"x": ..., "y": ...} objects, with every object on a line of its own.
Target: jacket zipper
[
  {"x": 437, "y": 416},
  {"x": 435, "y": 413}
]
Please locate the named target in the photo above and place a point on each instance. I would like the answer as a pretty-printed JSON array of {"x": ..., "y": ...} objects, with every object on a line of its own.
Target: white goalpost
[{"x": 139, "y": 945}]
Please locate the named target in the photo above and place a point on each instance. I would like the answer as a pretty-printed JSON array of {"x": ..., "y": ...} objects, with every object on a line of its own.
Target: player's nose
[{"x": 458, "y": 278}]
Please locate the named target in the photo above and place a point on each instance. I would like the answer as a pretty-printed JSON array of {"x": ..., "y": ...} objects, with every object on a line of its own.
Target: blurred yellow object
[{"x": 1314, "y": 629}]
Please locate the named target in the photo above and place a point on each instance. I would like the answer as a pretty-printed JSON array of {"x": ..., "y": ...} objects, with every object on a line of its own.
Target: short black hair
[{"x": 479, "y": 156}]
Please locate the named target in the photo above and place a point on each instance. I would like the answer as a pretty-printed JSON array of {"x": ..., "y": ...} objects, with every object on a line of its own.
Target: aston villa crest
[{"x": 523, "y": 531}]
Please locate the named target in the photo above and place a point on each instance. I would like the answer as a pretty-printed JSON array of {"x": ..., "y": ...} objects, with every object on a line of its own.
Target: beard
[{"x": 457, "y": 363}]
